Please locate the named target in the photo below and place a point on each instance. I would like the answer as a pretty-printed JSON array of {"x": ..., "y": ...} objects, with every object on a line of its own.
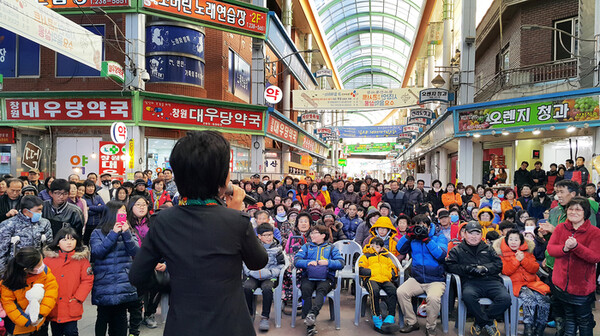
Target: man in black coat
[
  {"x": 538, "y": 176},
  {"x": 479, "y": 269},
  {"x": 522, "y": 177},
  {"x": 9, "y": 202},
  {"x": 434, "y": 196},
  {"x": 59, "y": 212},
  {"x": 203, "y": 243},
  {"x": 395, "y": 198}
]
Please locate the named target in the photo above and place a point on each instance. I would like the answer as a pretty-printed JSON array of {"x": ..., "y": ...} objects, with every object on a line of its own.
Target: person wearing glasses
[{"x": 58, "y": 211}]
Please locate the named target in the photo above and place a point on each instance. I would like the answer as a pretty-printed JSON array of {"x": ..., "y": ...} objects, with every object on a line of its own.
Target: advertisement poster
[
  {"x": 113, "y": 158},
  {"x": 370, "y": 148},
  {"x": 368, "y": 131},
  {"x": 354, "y": 99},
  {"x": 530, "y": 114},
  {"x": 174, "y": 39},
  {"x": 77, "y": 155}
]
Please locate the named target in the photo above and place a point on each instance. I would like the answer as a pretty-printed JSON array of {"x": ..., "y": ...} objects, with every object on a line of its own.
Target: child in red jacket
[{"x": 69, "y": 261}]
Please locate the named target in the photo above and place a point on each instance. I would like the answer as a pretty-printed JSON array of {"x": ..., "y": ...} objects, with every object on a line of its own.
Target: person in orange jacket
[
  {"x": 510, "y": 202},
  {"x": 303, "y": 195},
  {"x": 451, "y": 196},
  {"x": 324, "y": 198},
  {"x": 518, "y": 262},
  {"x": 459, "y": 236},
  {"x": 24, "y": 271},
  {"x": 69, "y": 259}
]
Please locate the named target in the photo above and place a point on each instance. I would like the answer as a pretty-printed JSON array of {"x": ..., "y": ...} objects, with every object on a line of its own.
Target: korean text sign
[
  {"x": 58, "y": 4},
  {"x": 282, "y": 130},
  {"x": 68, "y": 109},
  {"x": 199, "y": 115},
  {"x": 112, "y": 158},
  {"x": 225, "y": 14},
  {"x": 530, "y": 114}
]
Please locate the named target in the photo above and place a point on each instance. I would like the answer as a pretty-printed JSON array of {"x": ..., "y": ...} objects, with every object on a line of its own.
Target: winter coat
[
  {"x": 15, "y": 302},
  {"x": 304, "y": 198},
  {"x": 450, "y": 198},
  {"x": 377, "y": 267},
  {"x": 585, "y": 174},
  {"x": 412, "y": 198},
  {"x": 274, "y": 265},
  {"x": 388, "y": 241},
  {"x": 336, "y": 196},
  {"x": 44, "y": 195},
  {"x": 575, "y": 271},
  {"x": 428, "y": 258},
  {"x": 5, "y": 206},
  {"x": 435, "y": 198},
  {"x": 162, "y": 199},
  {"x": 550, "y": 180},
  {"x": 487, "y": 226},
  {"x": 30, "y": 235},
  {"x": 205, "y": 267},
  {"x": 284, "y": 189},
  {"x": 66, "y": 214},
  {"x": 353, "y": 197},
  {"x": 522, "y": 177},
  {"x": 171, "y": 188},
  {"x": 396, "y": 201},
  {"x": 350, "y": 225},
  {"x": 313, "y": 252},
  {"x": 508, "y": 205},
  {"x": 336, "y": 231},
  {"x": 267, "y": 195},
  {"x": 462, "y": 257},
  {"x": 375, "y": 198},
  {"x": 75, "y": 280},
  {"x": 522, "y": 273},
  {"x": 540, "y": 175},
  {"x": 96, "y": 207},
  {"x": 536, "y": 209},
  {"x": 324, "y": 198},
  {"x": 525, "y": 201},
  {"x": 112, "y": 255}
]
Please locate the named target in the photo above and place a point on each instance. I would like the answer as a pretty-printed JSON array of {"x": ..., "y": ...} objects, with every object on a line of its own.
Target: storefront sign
[
  {"x": 273, "y": 94},
  {"x": 112, "y": 158},
  {"x": 100, "y": 109},
  {"x": 310, "y": 117},
  {"x": 307, "y": 143},
  {"x": 224, "y": 14},
  {"x": 369, "y": 148},
  {"x": 421, "y": 113},
  {"x": 272, "y": 165},
  {"x": 201, "y": 116},
  {"x": 76, "y": 4},
  {"x": 118, "y": 132},
  {"x": 342, "y": 162},
  {"x": 163, "y": 39},
  {"x": 324, "y": 130},
  {"x": 368, "y": 131},
  {"x": 537, "y": 113},
  {"x": 429, "y": 95},
  {"x": 113, "y": 70},
  {"x": 44, "y": 26},
  {"x": 32, "y": 155},
  {"x": 282, "y": 130},
  {"x": 354, "y": 99},
  {"x": 131, "y": 154},
  {"x": 7, "y": 135},
  {"x": 77, "y": 155},
  {"x": 175, "y": 69},
  {"x": 412, "y": 128},
  {"x": 418, "y": 121},
  {"x": 404, "y": 137},
  {"x": 324, "y": 72}
]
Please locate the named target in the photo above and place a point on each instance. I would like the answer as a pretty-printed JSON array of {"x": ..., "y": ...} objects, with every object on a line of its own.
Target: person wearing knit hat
[
  {"x": 362, "y": 232},
  {"x": 333, "y": 226},
  {"x": 29, "y": 190},
  {"x": 365, "y": 201}
]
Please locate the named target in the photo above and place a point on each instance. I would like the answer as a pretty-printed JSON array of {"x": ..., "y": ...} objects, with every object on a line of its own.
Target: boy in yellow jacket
[{"x": 378, "y": 271}]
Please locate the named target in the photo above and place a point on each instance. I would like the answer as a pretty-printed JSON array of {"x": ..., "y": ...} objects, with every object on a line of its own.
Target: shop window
[
  {"x": 239, "y": 76},
  {"x": 68, "y": 67},
  {"x": 19, "y": 57},
  {"x": 565, "y": 46},
  {"x": 158, "y": 153}
]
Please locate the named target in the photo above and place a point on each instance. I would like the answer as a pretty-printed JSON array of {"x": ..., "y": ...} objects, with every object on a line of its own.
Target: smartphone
[{"x": 121, "y": 218}]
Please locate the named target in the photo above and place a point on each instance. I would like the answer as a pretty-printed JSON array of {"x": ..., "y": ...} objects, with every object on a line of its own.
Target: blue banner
[
  {"x": 8, "y": 49},
  {"x": 176, "y": 69},
  {"x": 368, "y": 131},
  {"x": 174, "y": 39}
]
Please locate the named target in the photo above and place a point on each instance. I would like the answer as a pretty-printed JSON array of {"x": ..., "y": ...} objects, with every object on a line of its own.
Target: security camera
[{"x": 144, "y": 75}]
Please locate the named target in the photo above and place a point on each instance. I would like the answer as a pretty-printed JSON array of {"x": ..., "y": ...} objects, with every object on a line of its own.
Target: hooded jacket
[
  {"x": 575, "y": 271},
  {"x": 336, "y": 231},
  {"x": 274, "y": 265},
  {"x": 75, "y": 280},
  {"x": 15, "y": 302},
  {"x": 303, "y": 197},
  {"x": 450, "y": 198},
  {"x": 363, "y": 230},
  {"x": 487, "y": 226},
  {"x": 324, "y": 198},
  {"x": 389, "y": 242},
  {"x": 284, "y": 189},
  {"x": 522, "y": 273},
  {"x": 30, "y": 235},
  {"x": 313, "y": 252},
  {"x": 377, "y": 267},
  {"x": 350, "y": 225},
  {"x": 428, "y": 258}
]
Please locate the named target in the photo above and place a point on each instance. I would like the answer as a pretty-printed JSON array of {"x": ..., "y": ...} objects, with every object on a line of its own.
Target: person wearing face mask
[
  {"x": 434, "y": 196},
  {"x": 25, "y": 229},
  {"x": 467, "y": 211},
  {"x": 539, "y": 204},
  {"x": 324, "y": 197},
  {"x": 27, "y": 273}
]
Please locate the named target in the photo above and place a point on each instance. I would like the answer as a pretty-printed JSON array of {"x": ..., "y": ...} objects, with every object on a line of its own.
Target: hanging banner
[
  {"x": 429, "y": 95},
  {"x": 368, "y": 131},
  {"x": 309, "y": 117},
  {"x": 323, "y": 130},
  {"x": 412, "y": 128},
  {"x": 421, "y": 113},
  {"x": 112, "y": 158},
  {"x": 418, "y": 121},
  {"x": 530, "y": 114},
  {"x": 354, "y": 99},
  {"x": 404, "y": 137},
  {"x": 436, "y": 32},
  {"x": 370, "y": 148},
  {"x": 42, "y": 25}
]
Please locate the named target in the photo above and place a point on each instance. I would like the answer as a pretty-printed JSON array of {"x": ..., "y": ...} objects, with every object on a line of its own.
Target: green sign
[
  {"x": 113, "y": 70},
  {"x": 370, "y": 148},
  {"x": 531, "y": 114},
  {"x": 342, "y": 162}
]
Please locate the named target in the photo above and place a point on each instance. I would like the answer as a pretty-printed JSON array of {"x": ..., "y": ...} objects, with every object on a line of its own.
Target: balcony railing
[{"x": 538, "y": 73}]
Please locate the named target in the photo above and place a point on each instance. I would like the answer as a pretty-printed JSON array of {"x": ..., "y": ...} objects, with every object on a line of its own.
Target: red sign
[
  {"x": 7, "y": 135},
  {"x": 59, "y": 4},
  {"x": 68, "y": 109},
  {"x": 213, "y": 11},
  {"x": 198, "y": 115},
  {"x": 307, "y": 143},
  {"x": 282, "y": 130},
  {"x": 112, "y": 158}
]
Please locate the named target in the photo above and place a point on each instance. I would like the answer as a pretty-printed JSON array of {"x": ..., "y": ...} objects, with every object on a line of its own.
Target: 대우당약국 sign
[
  {"x": 370, "y": 148},
  {"x": 368, "y": 131},
  {"x": 202, "y": 116},
  {"x": 112, "y": 158},
  {"x": 282, "y": 130},
  {"x": 354, "y": 99},
  {"x": 412, "y": 128},
  {"x": 62, "y": 109},
  {"x": 42, "y": 25},
  {"x": 221, "y": 13},
  {"x": 530, "y": 114}
]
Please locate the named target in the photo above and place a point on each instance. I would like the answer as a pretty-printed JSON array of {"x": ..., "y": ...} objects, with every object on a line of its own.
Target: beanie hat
[{"x": 264, "y": 227}]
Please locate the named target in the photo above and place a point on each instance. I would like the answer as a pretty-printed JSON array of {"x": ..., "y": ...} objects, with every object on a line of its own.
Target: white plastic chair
[
  {"x": 349, "y": 249},
  {"x": 361, "y": 292},
  {"x": 462, "y": 309},
  {"x": 277, "y": 294},
  {"x": 333, "y": 296}
]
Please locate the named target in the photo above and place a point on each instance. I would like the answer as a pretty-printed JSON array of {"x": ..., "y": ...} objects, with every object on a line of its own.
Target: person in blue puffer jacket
[
  {"x": 351, "y": 222},
  {"x": 428, "y": 252},
  {"x": 113, "y": 247},
  {"x": 318, "y": 260},
  {"x": 95, "y": 206}
]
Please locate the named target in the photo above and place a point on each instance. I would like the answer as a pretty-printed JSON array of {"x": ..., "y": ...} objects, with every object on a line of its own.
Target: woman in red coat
[
  {"x": 375, "y": 196},
  {"x": 518, "y": 262},
  {"x": 574, "y": 244},
  {"x": 303, "y": 195},
  {"x": 158, "y": 196}
]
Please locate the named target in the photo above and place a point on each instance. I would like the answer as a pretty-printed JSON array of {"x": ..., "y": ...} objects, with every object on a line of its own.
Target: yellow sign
[{"x": 131, "y": 154}]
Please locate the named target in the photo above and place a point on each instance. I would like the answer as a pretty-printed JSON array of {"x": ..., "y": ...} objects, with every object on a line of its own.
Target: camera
[
  {"x": 144, "y": 75},
  {"x": 420, "y": 232}
]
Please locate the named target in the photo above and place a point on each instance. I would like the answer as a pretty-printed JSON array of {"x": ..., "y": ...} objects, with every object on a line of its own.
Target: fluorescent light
[
  {"x": 476, "y": 135},
  {"x": 536, "y": 132},
  {"x": 571, "y": 129},
  {"x": 505, "y": 132}
]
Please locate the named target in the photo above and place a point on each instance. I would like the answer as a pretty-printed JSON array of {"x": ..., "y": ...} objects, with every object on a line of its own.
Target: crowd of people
[{"x": 62, "y": 239}]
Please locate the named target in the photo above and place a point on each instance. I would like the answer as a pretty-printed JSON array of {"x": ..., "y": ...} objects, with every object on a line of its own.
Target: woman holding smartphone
[{"x": 113, "y": 248}]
